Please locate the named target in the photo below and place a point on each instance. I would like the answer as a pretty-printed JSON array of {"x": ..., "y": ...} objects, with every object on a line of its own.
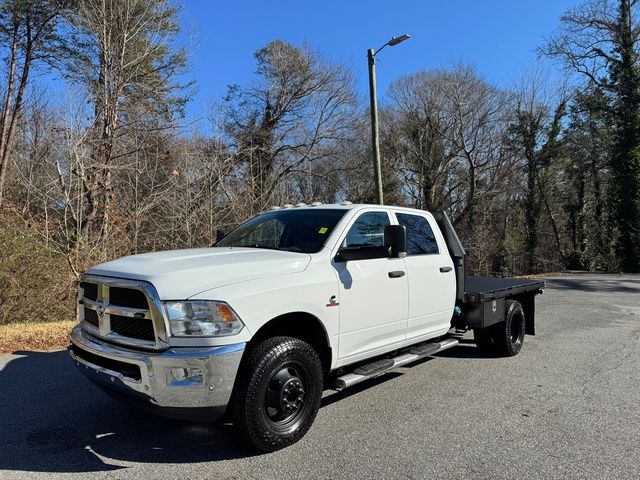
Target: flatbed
[{"x": 480, "y": 289}]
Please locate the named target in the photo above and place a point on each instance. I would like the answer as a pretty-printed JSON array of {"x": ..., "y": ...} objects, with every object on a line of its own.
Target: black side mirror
[
  {"x": 395, "y": 238},
  {"x": 220, "y": 234}
]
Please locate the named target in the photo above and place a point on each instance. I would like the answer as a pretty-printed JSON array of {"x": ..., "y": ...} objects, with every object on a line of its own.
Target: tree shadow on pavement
[
  {"x": 612, "y": 285},
  {"x": 54, "y": 420}
]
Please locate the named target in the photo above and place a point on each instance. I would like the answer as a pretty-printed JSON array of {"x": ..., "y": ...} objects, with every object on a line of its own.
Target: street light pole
[{"x": 375, "y": 140}]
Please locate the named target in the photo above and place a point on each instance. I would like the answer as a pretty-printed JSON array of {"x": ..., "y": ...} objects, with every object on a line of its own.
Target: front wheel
[{"x": 278, "y": 393}]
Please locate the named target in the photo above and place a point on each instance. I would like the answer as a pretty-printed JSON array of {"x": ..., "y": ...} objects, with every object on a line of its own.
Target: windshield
[{"x": 292, "y": 230}]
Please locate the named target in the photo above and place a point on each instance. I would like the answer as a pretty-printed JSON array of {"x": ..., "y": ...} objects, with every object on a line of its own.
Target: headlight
[{"x": 202, "y": 318}]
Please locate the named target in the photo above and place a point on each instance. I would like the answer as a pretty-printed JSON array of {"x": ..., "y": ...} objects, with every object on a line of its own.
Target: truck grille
[
  {"x": 141, "y": 328},
  {"x": 90, "y": 290},
  {"x": 127, "y": 297},
  {"x": 122, "y": 311},
  {"x": 91, "y": 316}
]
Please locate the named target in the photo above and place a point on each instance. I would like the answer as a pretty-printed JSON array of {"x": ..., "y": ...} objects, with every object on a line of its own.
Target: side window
[
  {"x": 368, "y": 230},
  {"x": 420, "y": 238}
]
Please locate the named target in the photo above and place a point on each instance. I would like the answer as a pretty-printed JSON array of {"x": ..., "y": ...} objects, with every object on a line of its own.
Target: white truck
[{"x": 293, "y": 301}]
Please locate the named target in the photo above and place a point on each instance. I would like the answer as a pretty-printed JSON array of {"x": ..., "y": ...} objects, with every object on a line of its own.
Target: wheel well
[{"x": 301, "y": 325}]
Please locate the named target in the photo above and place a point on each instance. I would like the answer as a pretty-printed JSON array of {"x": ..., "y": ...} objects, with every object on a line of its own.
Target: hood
[{"x": 180, "y": 274}]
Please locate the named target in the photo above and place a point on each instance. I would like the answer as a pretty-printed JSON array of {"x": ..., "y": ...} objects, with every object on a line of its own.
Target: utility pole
[
  {"x": 375, "y": 140},
  {"x": 375, "y": 136}
]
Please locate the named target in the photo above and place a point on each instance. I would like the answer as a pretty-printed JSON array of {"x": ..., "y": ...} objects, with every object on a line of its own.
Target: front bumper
[{"x": 150, "y": 377}]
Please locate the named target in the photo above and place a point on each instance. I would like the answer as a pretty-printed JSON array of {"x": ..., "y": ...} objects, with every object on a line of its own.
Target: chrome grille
[{"x": 122, "y": 311}]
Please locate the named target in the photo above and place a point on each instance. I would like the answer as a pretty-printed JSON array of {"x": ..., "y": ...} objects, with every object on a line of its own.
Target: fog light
[{"x": 186, "y": 376}]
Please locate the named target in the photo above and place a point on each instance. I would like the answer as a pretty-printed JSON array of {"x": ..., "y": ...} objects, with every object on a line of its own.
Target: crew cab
[{"x": 293, "y": 301}]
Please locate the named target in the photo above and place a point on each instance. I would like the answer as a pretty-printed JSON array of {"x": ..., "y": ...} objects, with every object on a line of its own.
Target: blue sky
[{"x": 497, "y": 36}]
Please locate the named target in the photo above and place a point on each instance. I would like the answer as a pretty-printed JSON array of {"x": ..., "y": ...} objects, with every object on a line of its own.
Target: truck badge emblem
[
  {"x": 100, "y": 308},
  {"x": 494, "y": 306},
  {"x": 332, "y": 302}
]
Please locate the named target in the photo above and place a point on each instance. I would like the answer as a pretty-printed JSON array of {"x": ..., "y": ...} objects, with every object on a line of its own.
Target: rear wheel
[
  {"x": 508, "y": 336},
  {"x": 278, "y": 393}
]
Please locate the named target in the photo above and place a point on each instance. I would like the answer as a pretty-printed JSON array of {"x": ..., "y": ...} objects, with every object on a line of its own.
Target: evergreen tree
[
  {"x": 624, "y": 184},
  {"x": 602, "y": 46},
  {"x": 588, "y": 140}
]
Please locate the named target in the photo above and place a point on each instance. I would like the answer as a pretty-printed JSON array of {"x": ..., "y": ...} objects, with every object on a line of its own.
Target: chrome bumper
[{"x": 114, "y": 368}]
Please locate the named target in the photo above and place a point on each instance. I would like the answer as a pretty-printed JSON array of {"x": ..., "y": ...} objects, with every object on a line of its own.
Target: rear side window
[
  {"x": 368, "y": 230},
  {"x": 420, "y": 238}
]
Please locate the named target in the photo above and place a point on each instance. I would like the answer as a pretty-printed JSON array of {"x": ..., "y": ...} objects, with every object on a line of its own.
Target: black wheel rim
[
  {"x": 286, "y": 396},
  {"x": 516, "y": 330}
]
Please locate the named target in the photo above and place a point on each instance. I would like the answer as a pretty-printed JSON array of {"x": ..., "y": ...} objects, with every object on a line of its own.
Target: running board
[{"x": 379, "y": 367}]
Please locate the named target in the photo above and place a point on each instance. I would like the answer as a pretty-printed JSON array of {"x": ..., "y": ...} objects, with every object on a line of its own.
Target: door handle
[
  {"x": 396, "y": 274},
  {"x": 445, "y": 269}
]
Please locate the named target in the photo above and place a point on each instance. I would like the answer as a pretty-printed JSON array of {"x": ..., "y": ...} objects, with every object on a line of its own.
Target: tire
[
  {"x": 484, "y": 340},
  {"x": 508, "y": 336},
  {"x": 278, "y": 393}
]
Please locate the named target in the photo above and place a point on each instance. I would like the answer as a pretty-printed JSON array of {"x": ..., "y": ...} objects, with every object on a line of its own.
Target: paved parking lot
[{"x": 567, "y": 407}]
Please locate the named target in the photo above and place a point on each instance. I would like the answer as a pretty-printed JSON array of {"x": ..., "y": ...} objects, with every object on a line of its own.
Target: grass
[{"x": 34, "y": 336}]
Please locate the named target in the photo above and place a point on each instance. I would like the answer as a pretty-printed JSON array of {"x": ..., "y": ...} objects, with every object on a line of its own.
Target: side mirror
[
  {"x": 220, "y": 234},
  {"x": 395, "y": 238}
]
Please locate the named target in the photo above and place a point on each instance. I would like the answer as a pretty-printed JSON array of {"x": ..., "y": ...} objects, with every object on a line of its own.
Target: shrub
[{"x": 36, "y": 284}]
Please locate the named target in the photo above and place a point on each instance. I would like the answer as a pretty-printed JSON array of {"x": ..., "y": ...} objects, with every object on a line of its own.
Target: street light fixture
[
  {"x": 377, "y": 169},
  {"x": 396, "y": 40}
]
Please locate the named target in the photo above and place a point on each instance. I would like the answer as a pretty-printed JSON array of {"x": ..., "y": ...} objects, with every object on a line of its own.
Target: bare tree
[
  {"x": 447, "y": 126},
  {"x": 129, "y": 69},
  {"x": 415, "y": 131},
  {"x": 28, "y": 33},
  {"x": 534, "y": 138},
  {"x": 296, "y": 113}
]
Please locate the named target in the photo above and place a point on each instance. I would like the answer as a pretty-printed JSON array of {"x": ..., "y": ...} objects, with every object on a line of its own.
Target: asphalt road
[{"x": 568, "y": 406}]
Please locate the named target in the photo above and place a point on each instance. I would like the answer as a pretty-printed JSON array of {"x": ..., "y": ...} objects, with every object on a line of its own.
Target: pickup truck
[{"x": 293, "y": 301}]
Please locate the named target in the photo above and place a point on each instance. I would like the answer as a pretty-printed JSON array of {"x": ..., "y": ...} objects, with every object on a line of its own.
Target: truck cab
[{"x": 292, "y": 301}]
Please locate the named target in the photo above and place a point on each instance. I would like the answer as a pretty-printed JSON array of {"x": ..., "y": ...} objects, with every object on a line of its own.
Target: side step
[{"x": 378, "y": 367}]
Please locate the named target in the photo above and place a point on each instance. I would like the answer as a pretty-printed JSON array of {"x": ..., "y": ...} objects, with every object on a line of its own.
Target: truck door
[
  {"x": 432, "y": 283},
  {"x": 373, "y": 293}
]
